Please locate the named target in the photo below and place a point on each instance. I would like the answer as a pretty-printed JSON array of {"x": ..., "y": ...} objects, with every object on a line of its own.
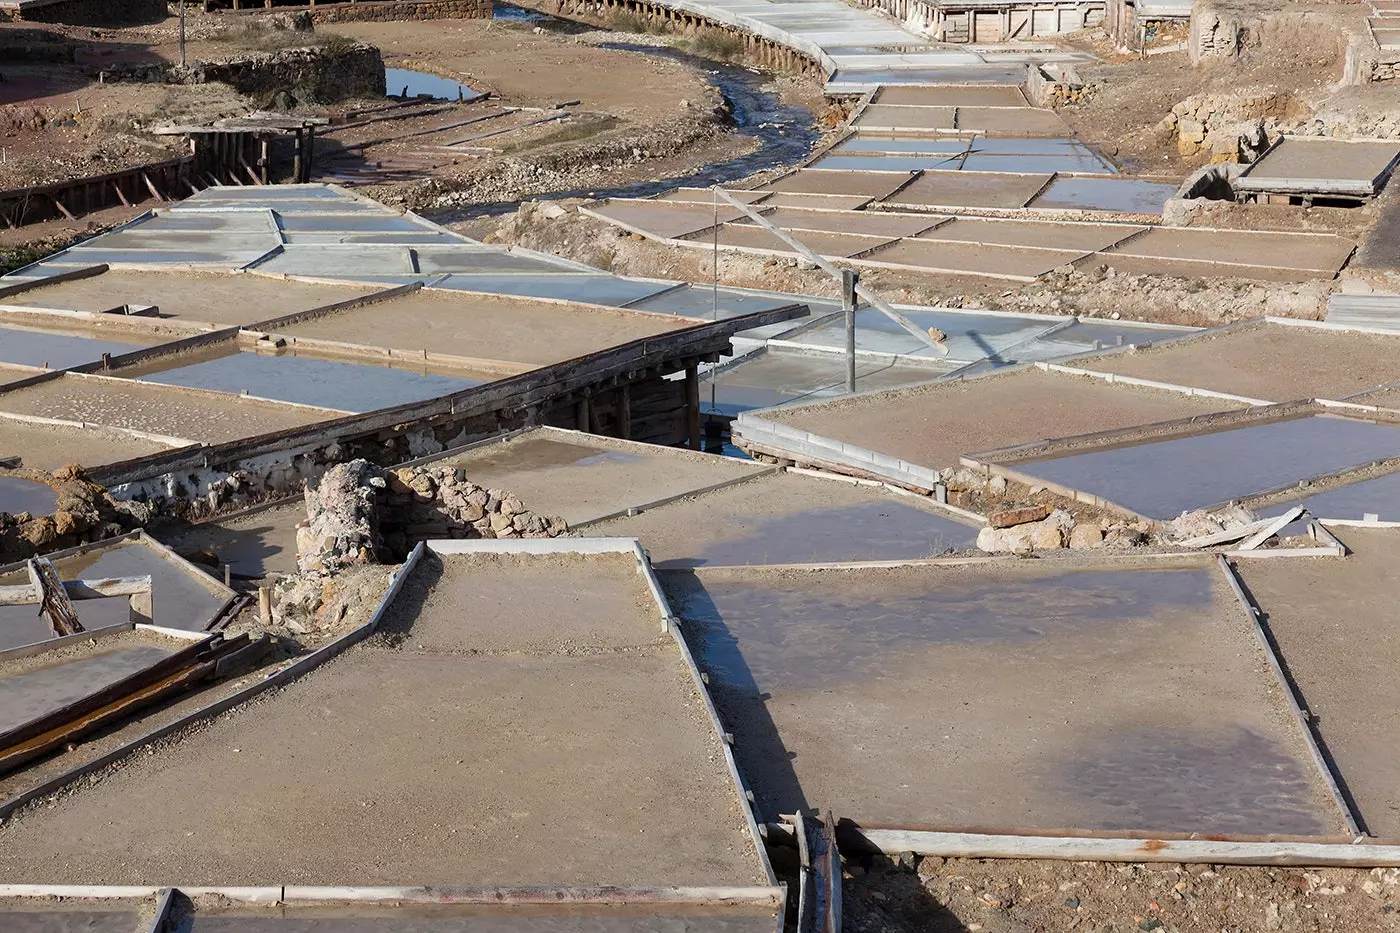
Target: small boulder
[
  {"x": 1085, "y": 535},
  {"x": 1020, "y": 515}
]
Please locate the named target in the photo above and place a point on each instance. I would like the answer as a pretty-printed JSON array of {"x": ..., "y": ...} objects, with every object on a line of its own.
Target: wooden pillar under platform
[
  {"x": 624, "y": 411},
  {"x": 692, "y": 404}
]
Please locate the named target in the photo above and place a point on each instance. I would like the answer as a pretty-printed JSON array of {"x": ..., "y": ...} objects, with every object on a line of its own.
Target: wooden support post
[
  {"x": 59, "y": 205},
  {"x": 692, "y": 404},
  {"x": 581, "y": 414},
  {"x": 53, "y": 597},
  {"x": 120, "y": 196},
  {"x": 151, "y": 186},
  {"x": 297, "y": 159},
  {"x": 310, "y": 154},
  {"x": 263, "y": 160},
  {"x": 624, "y": 411}
]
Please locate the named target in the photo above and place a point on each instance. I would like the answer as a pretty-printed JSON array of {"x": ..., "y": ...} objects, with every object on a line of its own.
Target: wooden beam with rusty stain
[{"x": 43, "y": 576}]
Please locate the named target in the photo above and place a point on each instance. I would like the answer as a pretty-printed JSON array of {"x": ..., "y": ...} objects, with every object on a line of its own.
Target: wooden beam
[
  {"x": 117, "y": 186},
  {"x": 1190, "y": 851},
  {"x": 53, "y": 597},
  {"x": 59, "y": 204},
  {"x": 151, "y": 186},
  {"x": 79, "y": 589}
]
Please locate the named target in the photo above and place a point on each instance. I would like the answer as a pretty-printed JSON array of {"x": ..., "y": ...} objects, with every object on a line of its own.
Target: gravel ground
[{"x": 1016, "y": 896}]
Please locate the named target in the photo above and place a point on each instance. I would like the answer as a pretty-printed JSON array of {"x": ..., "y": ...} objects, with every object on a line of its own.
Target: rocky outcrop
[{"x": 83, "y": 512}]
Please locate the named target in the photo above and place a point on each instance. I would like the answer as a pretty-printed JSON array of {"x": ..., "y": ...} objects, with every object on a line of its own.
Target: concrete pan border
[{"x": 670, "y": 624}]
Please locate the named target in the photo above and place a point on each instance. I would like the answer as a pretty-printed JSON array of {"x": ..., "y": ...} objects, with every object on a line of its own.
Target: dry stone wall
[
  {"x": 89, "y": 12},
  {"x": 322, "y": 74},
  {"x": 361, "y": 514},
  {"x": 383, "y": 12}
]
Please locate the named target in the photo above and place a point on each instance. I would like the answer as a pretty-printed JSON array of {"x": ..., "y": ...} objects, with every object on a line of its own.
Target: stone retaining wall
[
  {"x": 381, "y": 11},
  {"x": 86, "y": 12},
  {"x": 322, "y": 74}
]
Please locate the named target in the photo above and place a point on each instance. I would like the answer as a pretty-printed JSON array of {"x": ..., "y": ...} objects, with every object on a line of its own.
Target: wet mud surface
[
  {"x": 511, "y": 920},
  {"x": 1003, "y": 695},
  {"x": 586, "y": 480},
  {"x": 69, "y": 921}
]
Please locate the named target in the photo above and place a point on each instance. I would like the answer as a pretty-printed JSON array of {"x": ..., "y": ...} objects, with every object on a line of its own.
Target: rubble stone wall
[
  {"x": 324, "y": 74},
  {"x": 90, "y": 12},
  {"x": 383, "y": 11}
]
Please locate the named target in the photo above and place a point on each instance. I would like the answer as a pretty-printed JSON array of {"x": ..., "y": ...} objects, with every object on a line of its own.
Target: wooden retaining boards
[
  {"x": 137, "y": 178},
  {"x": 277, "y": 679},
  {"x": 175, "y": 672},
  {"x": 1301, "y": 715},
  {"x": 1079, "y": 849},
  {"x": 520, "y": 391}
]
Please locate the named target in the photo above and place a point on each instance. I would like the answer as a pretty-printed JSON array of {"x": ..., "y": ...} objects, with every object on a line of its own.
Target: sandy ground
[
  {"x": 164, "y": 410},
  {"x": 1019, "y": 896},
  {"x": 487, "y": 327},
  {"x": 789, "y": 518},
  {"x": 48, "y": 447},
  {"x": 1335, "y": 625},
  {"x": 935, "y": 425},
  {"x": 1134, "y": 94},
  {"x": 586, "y": 479},
  {"x": 1011, "y": 695},
  {"x": 223, "y": 299},
  {"x": 1274, "y": 362},
  {"x": 544, "y": 767}
]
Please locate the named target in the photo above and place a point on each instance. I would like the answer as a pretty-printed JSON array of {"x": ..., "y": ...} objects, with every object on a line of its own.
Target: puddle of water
[
  {"x": 58, "y": 920},
  {"x": 871, "y": 531},
  {"x": 310, "y": 381},
  {"x": 22, "y": 495},
  {"x": 1163, "y": 479},
  {"x": 59, "y": 351},
  {"x": 806, "y": 632},
  {"x": 400, "y": 82},
  {"x": 1232, "y": 782},
  {"x": 36, "y": 693},
  {"x": 1107, "y": 194}
]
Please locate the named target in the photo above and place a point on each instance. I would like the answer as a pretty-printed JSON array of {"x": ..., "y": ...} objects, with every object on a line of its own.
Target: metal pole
[
  {"x": 182, "y": 33},
  {"x": 849, "y": 279}
]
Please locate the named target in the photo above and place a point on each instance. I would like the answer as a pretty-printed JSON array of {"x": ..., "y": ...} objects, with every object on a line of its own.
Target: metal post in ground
[
  {"x": 182, "y": 33},
  {"x": 849, "y": 278}
]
